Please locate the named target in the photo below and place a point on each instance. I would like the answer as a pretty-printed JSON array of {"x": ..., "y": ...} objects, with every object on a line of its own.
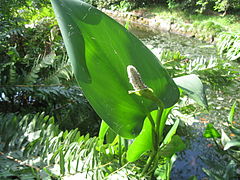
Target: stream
[{"x": 191, "y": 161}]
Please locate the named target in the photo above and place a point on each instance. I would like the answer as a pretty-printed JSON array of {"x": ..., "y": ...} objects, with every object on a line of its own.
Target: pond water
[
  {"x": 189, "y": 47},
  {"x": 191, "y": 161}
]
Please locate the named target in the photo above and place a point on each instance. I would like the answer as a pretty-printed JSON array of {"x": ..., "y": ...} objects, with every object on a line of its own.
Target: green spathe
[{"x": 100, "y": 50}]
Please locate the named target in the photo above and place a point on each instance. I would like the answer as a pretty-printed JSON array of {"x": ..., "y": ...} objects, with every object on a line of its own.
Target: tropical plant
[
  {"x": 36, "y": 76},
  {"x": 104, "y": 66}
]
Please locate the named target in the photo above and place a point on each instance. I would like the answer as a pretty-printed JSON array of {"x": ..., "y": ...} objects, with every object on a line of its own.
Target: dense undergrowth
[{"x": 42, "y": 112}]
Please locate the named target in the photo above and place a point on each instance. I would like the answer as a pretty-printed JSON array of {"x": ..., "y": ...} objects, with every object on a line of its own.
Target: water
[
  {"x": 189, "y": 47},
  {"x": 190, "y": 162}
]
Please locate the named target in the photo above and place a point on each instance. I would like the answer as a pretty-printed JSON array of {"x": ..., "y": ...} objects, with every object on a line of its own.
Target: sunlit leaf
[
  {"x": 232, "y": 143},
  {"x": 193, "y": 87},
  {"x": 103, "y": 130},
  {"x": 143, "y": 142},
  {"x": 171, "y": 132},
  {"x": 100, "y": 49},
  {"x": 164, "y": 169},
  {"x": 224, "y": 138},
  {"x": 211, "y": 132}
]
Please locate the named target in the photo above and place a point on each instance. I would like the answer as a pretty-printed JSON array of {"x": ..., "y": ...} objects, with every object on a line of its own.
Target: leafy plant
[
  {"x": 105, "y": 63},
  {"x": 112, "y": 61},
  {"x": 228, "y": 45},
  {"x": 227, "y": 146},
  {"x": 36, "y": 142}
]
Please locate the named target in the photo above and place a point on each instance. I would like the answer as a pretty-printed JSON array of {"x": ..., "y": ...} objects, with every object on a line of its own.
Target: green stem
[
  {"x": 158, "y": 122},
  {"x": 154, "y": 150},
  {"x": 120, "y": 149},
  {"x": 154, "y": 133},
  {"x": 149, "y": 162}
]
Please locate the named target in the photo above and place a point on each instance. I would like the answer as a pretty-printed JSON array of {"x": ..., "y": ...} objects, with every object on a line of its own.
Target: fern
[
  {"x": 39, "y": 141},
  {"x": 201, "y": 64},
  {"x": 61, "y": 71},
  {"x": 46, "y": 61},
  {"x": 229, "y": 44}
]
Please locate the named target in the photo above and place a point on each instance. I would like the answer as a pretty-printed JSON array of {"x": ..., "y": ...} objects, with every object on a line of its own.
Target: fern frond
[
  {"x": 229, "y": 44},
  {"x": 61, "y": 70},
  {"x": 39, "y": 64},
  {"x": 201, "y": 64},
  {"x": 60, "y": 151}
]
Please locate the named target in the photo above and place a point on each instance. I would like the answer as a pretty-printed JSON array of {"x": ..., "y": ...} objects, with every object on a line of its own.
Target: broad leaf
[
  {"x": 232, "y": 143},
  {"x": 193, "y": 87},
  {"x": 175, "y": 145},
  {"x": 143, "y": 142},
  {"x": 100, "y": 49}
]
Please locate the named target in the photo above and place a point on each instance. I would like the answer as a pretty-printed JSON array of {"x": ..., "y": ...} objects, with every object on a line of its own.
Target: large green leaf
[
  {"x": 100, "y": 49},
  {"x": 193, "y": 87},
  {"x": 143, "y": 142}
]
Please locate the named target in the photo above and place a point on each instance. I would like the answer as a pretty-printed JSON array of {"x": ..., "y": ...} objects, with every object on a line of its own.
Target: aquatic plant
[
  {"x": 227, "y": 145},
  {"x": 104, "y": 62}
]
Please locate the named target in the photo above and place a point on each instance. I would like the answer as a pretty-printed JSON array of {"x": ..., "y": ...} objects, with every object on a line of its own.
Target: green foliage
[
  {"x": 103, "y": 3},
  {"x": 144, "y": 141},
  {"x": 211, "y": 132},
  {"x": 228, "y": 45},
  {"x": 228, "y": 147},
  {"x": 36, "y": 76},
  {"x": 112, "y": 62},
  {"x": 199, "y": 6},
  {"x": 163, "y": 170},
  {"x": 59, "y": 151},
  {"x": 222, "y": 171},
  {"x": 212, "y": 71},
  {"x": 193, "y": 87},
  {"x": 123, "y": 6}
]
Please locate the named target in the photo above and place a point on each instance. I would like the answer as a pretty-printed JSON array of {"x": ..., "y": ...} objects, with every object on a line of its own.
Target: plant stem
[
  {"x": 155, "y": 139},
  {"x": 149, "y": 162},
  {"x": 120, "y": 149},
  {"x": 154, "y": 133},
  {"x": 158, "y": 122}
]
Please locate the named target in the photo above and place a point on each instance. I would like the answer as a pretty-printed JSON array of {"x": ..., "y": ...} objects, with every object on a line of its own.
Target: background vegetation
[{"x": 43, "y": 111}]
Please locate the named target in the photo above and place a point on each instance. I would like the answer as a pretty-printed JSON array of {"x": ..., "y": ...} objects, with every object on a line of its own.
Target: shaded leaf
[
  {"x": 100, "y": 49},
  {"x": 175, "y": 145},
  {"x": 193, "y": 87}
]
